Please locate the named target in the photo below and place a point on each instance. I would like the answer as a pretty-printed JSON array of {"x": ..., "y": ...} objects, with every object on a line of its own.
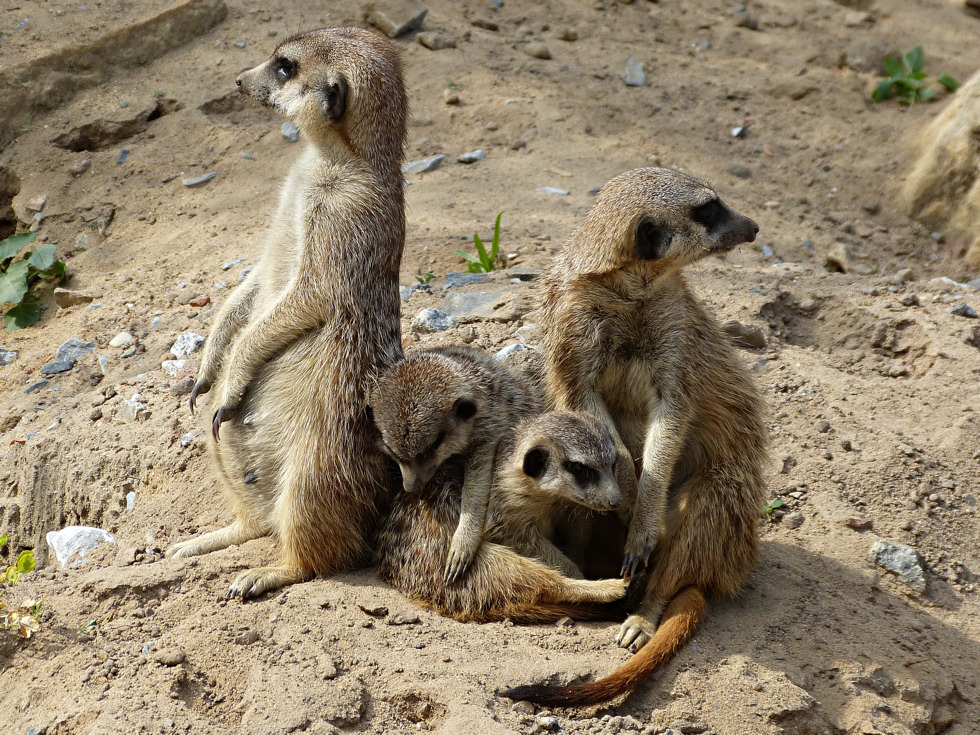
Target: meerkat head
[
  {"x": 568, "y": 455},
  {"x": 337, "y": 85},
  {"x": 425, "y": 412},
  {"x": 656, "y": 219}
]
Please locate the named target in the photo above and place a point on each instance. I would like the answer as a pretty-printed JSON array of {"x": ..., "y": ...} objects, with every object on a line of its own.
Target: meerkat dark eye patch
[
  {"x": 652, "y": 240},
  {"x": 284, "y": 69},
  {"x": 535, "y": 461},
  {"x": 333, "y": 98},
  {"x": 583, "y": 474},
  {"x": 464, "y": 409},
  {"x": 724, "y": 225}
]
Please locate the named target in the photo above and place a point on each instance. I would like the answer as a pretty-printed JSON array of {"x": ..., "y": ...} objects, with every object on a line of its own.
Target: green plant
[
  {"x": 25, "y": 619},
  {"x": 483, "y": 262},
  {"x": 456, "y": 85},
  {"x": 771, "y": 506},
  {"x": 24, "y": 564},
  {"x": 426, "y": 279},
  {"x": 908, "y": 82},
  {"x": 17, "y": 277}
]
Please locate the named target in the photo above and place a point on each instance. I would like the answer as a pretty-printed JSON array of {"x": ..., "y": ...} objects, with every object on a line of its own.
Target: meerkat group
[{"x": 316, "y": 408}]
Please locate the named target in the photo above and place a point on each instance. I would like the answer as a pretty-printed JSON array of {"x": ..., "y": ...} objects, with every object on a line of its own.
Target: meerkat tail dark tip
[{"x": 681, "y": 621}]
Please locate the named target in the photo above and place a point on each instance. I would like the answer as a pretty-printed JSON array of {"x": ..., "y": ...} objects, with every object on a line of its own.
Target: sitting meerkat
[
  {"x": 556, "y": 461},
  {"x": 626, "y": 341},
  {"x": 443, "y": 402},
  {"x": 291, "y": 348}
]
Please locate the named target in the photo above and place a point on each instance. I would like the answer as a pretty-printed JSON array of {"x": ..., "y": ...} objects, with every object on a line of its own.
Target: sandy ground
[{"x": 871, "y": 381}]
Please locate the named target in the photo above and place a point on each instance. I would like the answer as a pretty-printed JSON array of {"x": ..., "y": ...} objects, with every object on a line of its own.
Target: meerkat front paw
[
  {"x": 254, "y": 582},
  {"x": 613, "y": 589},
  {"x": 635, "y": 632},
  {"x": 184, "y": 549},
  {"x": 462, "y": 551},
  {"x": 639, "y": 545}
]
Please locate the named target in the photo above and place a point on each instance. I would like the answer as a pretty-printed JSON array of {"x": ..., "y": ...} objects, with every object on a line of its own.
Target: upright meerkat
[
  {"x": 443, "y": 402},
  {"x": 291, "y": 348},
  {"x": 626, "y": 341},
  {"x": 554, "y": 461}
]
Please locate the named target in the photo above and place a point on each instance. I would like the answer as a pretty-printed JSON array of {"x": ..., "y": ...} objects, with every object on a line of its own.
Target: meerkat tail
[
  {"x": 552, "y": 612},
  {"x": 681, "y": 620}
]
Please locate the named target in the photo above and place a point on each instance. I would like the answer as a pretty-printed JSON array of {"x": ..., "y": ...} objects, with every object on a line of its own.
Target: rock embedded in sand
[
  {"x": 73, "y": 348},
  {"x": 429, "y": 321},
  {"x": 745, "y": 335},
  {"x": 538, "y": 50},
  {"x": 633, "y": 74},
  {"x": 392, "y": 26},
  {"x": 436, "y": 40},
  {"x": 123, "y": 339},
  {"x": 186, "y": 344},
  {"x": 73, "y": 540},
  {"x": 902, "y": 560}
]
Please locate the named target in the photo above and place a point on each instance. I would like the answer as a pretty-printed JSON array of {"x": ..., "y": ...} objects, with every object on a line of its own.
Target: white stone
[
  {"x": 172, "y": 367},
  {"x": 186, "y": 344},
  {"x": 123, "y": 339},
  {"x": 76, "y": 539}
]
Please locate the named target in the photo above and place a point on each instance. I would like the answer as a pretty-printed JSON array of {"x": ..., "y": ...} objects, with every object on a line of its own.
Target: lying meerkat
[
  {"x": 291, "y": 348},
  {"x": 443, "y": 402},
  {"x": 556, "y": 461},
  {"x": 627, "y": 341}
]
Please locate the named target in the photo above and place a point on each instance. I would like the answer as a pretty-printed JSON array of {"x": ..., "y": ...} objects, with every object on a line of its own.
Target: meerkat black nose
[{"x": 238, "y": 81}]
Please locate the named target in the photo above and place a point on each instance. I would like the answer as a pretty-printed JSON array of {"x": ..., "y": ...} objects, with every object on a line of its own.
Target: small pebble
[
  {"x": 740, "y": 170},
  {"x": 633, "y": 74},
  {"x": 538, "y": 50},
  {"x": 964, "y": 310},
  {"x": 198, "y": 180},
  {"x": 553, "y": 190},
  {"x": 123, "y": 339},
  {"x": 472, "y": 157},
  {"x": 290, "y": 132}
]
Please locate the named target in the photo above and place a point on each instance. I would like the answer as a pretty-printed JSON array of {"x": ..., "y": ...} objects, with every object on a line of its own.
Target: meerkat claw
[
  {"x": 200, "y": 386},
  {"x": 220, "y": 416}
]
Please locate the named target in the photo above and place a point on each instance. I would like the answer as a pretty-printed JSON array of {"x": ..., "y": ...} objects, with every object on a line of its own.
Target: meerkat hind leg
[
  {"x": 639, "y": 627},
  {"x": 236, "y": 533}
]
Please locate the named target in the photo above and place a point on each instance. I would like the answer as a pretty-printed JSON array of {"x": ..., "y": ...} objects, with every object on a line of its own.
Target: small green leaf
[
  {"x": 13, "y": 283},
  {"x": 43, "y": 257},
  {"x": 947, "y": 81},
  {"x": 914, "y": 59},
  {"x": 12, "y": 245},
  {"x": 467, "y": 256},
  {"x": 480, "y": 248},
  {"x": 3, "y": 540},
  {"x": 25, "y": 562},
  {"x": 495, "y": 244},
  {"x": 893, "y": 67},
  {"x": 883, "y": 91},
  {"x": 927, "y": 94},
  {"x": 22, "y": 315},
  {"x": 12, "y": 576}
]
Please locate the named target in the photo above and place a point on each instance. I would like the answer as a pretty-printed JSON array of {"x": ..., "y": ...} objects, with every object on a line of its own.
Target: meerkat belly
[{"x": 630, "y": 396}]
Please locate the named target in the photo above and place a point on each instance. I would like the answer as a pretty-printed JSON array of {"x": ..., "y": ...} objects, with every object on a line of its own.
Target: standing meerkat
[
  {"x": 555, "y": 461},
  {"x": 627, "y": 341},
  {"x": 291, "y": 348}
]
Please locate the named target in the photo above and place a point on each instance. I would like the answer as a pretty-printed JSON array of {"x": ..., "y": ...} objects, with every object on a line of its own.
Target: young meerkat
[
  {"x": 443, "y": 402},
  {"x": 627, "y": 341},
  {"x": 290, "y": 350},
  {"x": 554, "y": 462}
]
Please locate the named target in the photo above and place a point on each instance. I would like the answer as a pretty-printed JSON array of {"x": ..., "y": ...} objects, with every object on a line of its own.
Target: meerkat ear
[
  {"x": 333, "y": 98},
  {"x": 652, "y": 239},
  {"x": 535, "y": 461},
  {"x": 464, "y": 409}
]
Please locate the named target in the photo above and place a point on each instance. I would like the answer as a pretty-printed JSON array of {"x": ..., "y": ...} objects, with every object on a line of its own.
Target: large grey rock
[
  {"x": 7, "y": 356},
  {"x": 943, "y": 189},
  {"x": 902, "y": 560},
  {"x": 464, "y": 279},
  {"x": 73, "y": 349},
  {"x": 76, "y": 539},
  {"x": 473, "y": 305}
]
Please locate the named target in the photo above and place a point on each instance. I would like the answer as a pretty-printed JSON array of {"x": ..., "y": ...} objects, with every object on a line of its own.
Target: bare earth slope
[{"x": 870, "y": 378}]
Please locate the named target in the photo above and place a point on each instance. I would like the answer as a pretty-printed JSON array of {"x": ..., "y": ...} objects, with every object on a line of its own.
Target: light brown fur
[
  {"x": 556, "y": 461},
  {"x": 626, "y": 341},
  {"x": 290, "y": 350}
]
